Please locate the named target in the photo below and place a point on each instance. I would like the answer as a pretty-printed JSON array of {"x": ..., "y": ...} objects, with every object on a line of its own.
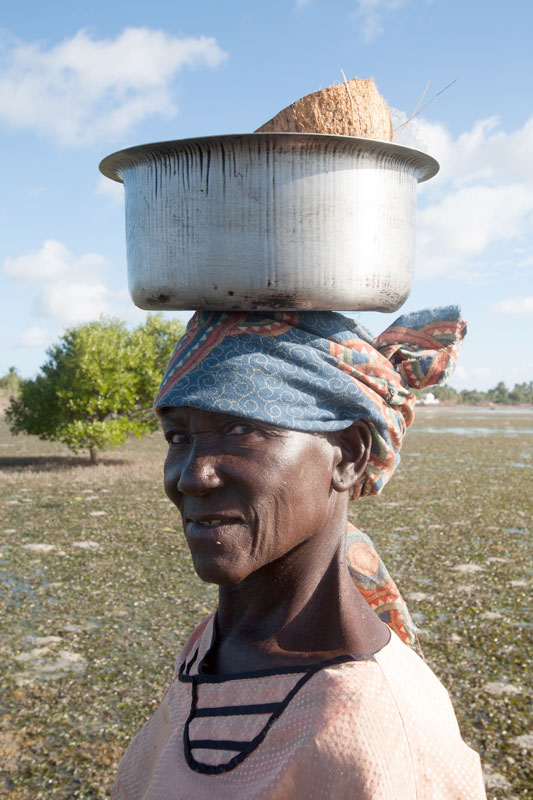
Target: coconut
[{"x": 352, "y": 108}]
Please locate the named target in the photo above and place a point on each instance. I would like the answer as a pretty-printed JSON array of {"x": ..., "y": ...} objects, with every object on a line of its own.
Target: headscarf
[
  {"x": 314, "y": 371},
  {"x": 320, "y": 371}
]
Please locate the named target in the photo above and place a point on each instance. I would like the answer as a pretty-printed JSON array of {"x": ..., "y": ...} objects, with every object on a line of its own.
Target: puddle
[
  {"x": 16, "y": 588},
  {"x": 507, "y": 431},
  {"x": 523, "y": 411},
  {"x": 43, "y": 664},
  {"x": 514, "y": 530}
]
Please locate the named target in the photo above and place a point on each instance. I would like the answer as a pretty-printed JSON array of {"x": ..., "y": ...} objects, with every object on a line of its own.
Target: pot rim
[{"x": 421, "y": 164}]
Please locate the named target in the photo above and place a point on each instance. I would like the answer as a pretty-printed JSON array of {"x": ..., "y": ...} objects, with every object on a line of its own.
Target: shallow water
[
  {"x": 470, "y": 431},
  {"x": 472, "y": 411},
  {"x": 459, "y": 421},
  {"x": 15, "y": 588}
]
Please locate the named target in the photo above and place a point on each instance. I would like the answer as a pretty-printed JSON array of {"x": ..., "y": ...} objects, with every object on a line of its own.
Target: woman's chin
[{"x": 220, "y": 570}]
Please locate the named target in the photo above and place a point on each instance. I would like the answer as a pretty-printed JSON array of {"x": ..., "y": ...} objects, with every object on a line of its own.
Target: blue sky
[{"x": 80, "y": 80}]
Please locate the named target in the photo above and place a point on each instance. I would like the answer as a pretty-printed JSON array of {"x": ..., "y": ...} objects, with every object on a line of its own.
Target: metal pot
[{"x": 270, "y": 220}]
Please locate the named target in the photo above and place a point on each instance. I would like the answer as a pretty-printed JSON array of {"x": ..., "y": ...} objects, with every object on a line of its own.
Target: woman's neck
[{"x": 304, "y": 610}]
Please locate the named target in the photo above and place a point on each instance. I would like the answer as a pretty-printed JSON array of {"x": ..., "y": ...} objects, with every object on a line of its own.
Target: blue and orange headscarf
[
  {"x": 320, "y": 371},
  {"x": 314, "y": 371}
]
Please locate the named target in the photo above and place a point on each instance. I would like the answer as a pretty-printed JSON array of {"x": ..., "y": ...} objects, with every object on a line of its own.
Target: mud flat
[{"x": 97, "y": 593}]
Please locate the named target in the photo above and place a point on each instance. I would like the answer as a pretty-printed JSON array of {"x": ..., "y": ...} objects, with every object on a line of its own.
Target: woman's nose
[{"x": 198, "y": 474}]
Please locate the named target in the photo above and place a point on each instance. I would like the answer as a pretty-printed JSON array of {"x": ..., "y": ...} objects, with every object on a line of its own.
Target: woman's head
[
  {"x": 251, "y": 493},
  {"x": 275, "y": 420},
  {"x": 314, "y": 372}
]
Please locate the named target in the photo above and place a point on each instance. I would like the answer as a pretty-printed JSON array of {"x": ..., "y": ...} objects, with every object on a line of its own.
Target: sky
[{"x": 81, "y": 80}]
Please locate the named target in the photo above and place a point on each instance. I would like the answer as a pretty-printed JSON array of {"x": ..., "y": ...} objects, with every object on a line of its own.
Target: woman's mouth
[{"x": 206, "y": 526}]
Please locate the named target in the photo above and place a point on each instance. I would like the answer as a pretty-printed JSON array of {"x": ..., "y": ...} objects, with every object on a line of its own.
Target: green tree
[
  {"x": 153, "y": 342},
  {"x": 445, "y": 392},
  {"x": 499, "y": 394},
  {"x": 472, "y": 397},
  {"x": 97, "y": 386},
  {"x": 522, "y": 393},
  {"x": 11, "y": 382}
]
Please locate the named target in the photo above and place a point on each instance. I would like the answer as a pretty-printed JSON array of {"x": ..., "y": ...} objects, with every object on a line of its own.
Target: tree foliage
[
  {"x": 97, "y": 386},
  {"x": 11, "y": 382},
  {"x": 522, "y": 393}
]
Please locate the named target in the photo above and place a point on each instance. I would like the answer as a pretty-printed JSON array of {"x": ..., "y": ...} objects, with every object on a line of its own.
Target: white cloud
[
  {"x": 465, "y": 223},
  {"x": 52, "y": 262},
  {"x": 485, "y": 154},
  {"x": 517, "y": 307},
  {"x": 71, "y": 302},
  {"x": 84, "y": 89},
  {"x": 481, "y": 199},
  {"x": 35, "y": 337},
  {"x": 68, "y": 288},
  {"x": 369, "y": 14},
  {"x": 113, "y": 190}
]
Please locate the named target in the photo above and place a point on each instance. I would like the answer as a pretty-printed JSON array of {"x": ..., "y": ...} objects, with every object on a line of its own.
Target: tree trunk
[{"x": 95, "y": 455}]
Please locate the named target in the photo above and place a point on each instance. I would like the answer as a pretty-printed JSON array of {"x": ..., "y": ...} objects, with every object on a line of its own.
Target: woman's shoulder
[
  {"x": 416, "y": 689},
  {"x": 391, "y": 684},
  {"x": 391, "y": 716}
]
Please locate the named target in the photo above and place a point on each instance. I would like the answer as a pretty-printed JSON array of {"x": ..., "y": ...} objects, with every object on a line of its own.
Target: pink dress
[{"x": 379, "y": 726}]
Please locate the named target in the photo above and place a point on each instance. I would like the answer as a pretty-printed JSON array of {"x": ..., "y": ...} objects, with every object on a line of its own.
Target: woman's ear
[{"x": 355, "y": 443}]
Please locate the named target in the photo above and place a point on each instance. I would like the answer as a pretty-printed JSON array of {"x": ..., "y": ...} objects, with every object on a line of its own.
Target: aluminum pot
[{"x": 270, "y": 220}]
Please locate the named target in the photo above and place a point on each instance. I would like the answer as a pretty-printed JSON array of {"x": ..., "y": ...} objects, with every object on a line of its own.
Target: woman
[{"x": 295, "y": 688}]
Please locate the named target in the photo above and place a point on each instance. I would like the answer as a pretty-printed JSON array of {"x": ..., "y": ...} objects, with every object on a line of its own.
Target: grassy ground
[{"x": 97, "y": 594}]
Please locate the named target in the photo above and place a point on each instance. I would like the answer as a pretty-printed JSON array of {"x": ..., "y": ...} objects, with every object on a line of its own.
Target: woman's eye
[
  {"x": 176, "y": 438},
  {"x": 239, "y": 429}
]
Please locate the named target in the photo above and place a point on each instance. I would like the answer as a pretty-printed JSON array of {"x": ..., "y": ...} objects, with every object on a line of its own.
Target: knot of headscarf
[{"x": 314, "y": 371}]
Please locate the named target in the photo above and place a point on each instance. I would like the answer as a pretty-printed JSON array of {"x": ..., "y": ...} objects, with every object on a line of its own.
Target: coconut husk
[{"x": 352, "y": 108}]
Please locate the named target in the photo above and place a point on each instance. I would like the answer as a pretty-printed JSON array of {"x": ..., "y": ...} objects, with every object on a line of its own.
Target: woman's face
[{"x": 248, "y": 492}]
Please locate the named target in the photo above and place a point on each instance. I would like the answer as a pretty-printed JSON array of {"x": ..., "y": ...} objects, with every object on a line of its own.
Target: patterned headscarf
[
  {"x": 320, "y": 371},
  {"x": 314, "y": 371}
]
